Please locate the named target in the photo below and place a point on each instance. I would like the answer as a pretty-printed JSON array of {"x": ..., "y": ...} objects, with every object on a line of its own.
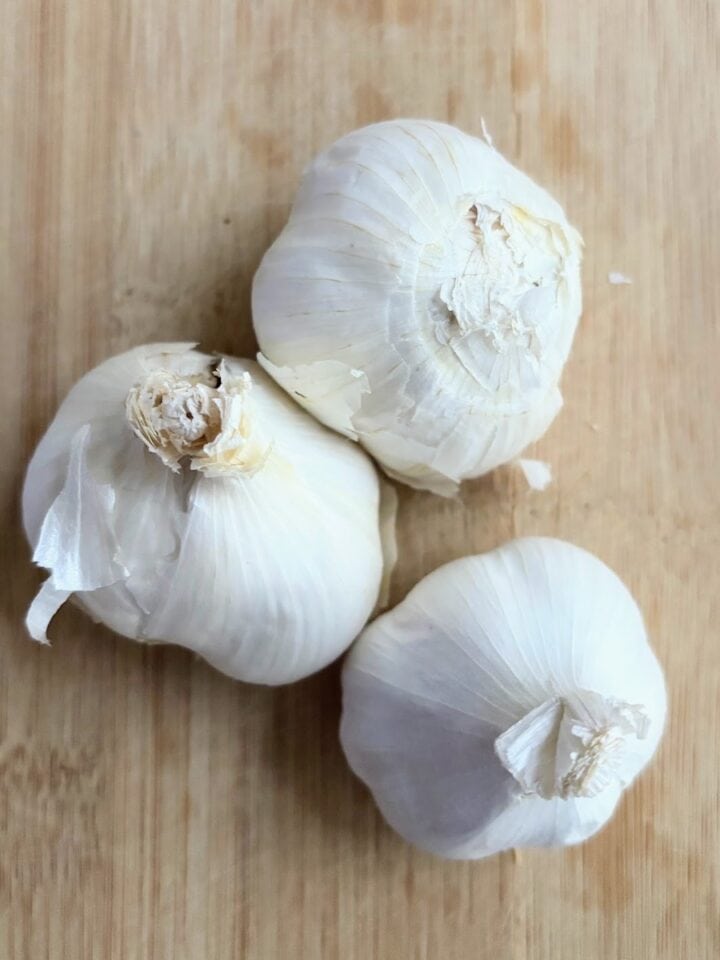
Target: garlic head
[
  {"x": 422, "y": 299},
  {"x": 507, "y": 701},
  {"x": 182, "y": 498}
]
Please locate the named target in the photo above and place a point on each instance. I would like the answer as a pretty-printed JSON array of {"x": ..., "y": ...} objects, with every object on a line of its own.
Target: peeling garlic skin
[
  {"x": 508, "y": 701},
  {"x": 422, "y": 299},
  {"x": 573, "y": 746},
  {"x": 497, "y": 305}
]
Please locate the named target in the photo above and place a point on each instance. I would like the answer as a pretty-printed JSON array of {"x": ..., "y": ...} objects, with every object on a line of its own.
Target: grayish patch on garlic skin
[{"x": 205, "y": 417}]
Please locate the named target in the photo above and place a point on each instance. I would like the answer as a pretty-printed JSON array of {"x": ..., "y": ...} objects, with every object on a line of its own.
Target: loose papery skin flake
[
  {"x": 422, "y": 300},
  {"x": 507, "y": 701},
  {"x": 185, "y": 499},
  {"x": 537, "y": 473}
]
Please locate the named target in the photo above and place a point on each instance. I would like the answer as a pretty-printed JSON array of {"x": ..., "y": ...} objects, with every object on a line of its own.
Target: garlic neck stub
[
  {"x": 423, "y": 300},
  {"x": 506, "y": 702},
  {"x": 205, "y": 417},
  {"x": 573, "y": 747},
  {"x": 496, "y": 285}
]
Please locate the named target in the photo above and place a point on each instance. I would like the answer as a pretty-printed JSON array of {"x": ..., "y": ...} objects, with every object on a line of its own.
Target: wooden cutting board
[{"x": 153, "y": 809}]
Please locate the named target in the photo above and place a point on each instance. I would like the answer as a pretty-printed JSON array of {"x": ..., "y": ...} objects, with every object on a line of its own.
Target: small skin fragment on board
[
  {"x": 617, "y": 278},
  {"x": 537, "y": 473}
]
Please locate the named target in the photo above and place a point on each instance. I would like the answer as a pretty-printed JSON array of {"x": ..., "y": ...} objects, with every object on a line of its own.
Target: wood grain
[{"x": 149, "y": 807}]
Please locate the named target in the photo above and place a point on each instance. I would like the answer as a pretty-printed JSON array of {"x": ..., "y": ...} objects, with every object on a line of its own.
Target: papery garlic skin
[
  {"x": 184, "y": 499},
  {"x": 422, "y": 299},
  {"x": 506, "y": 702}
]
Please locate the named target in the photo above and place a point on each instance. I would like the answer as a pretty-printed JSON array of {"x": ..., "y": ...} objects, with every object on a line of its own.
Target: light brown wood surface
[{"x": 151, "y": 809}]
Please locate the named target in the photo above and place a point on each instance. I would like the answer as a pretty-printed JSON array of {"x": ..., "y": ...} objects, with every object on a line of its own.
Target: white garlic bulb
[
  {"x": 422, "y": 299},
  {"x": 507, "y": 701},
  {"x": 184, "y": 499}
]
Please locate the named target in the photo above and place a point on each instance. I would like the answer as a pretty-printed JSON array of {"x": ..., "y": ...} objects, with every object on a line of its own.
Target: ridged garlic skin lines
[
  {"x": 422, "y": 299},
  {"x": 185, "y": 499},
  {"x": 507, "y": 701}
]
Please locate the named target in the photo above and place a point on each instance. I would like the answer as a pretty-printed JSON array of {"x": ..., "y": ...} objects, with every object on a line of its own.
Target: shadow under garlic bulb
[
  {"x": 183, "y": 498},
  {"x": 507, "y": 701},
  {"x": 422, "y": 300}
]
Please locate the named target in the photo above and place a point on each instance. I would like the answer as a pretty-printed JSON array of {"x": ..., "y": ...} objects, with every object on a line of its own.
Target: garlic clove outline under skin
[
  {"x": 183, "y": 498},
  {"x": 422, "y": 299},
  {"x": 507, "y": 701}
]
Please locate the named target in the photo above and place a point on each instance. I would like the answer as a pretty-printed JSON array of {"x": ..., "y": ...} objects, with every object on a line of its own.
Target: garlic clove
[
  {"x": 533, "y": 822},
  {"x": 418, "y": 465},
  {"x": 268, "y": 595}
]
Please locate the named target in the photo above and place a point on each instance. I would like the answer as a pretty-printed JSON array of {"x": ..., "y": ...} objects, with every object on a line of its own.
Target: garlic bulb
[
  {"x": 185, "y": 499},
  {"x": 422, "y": 299},
  {"x": 507, "y": 701}
]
